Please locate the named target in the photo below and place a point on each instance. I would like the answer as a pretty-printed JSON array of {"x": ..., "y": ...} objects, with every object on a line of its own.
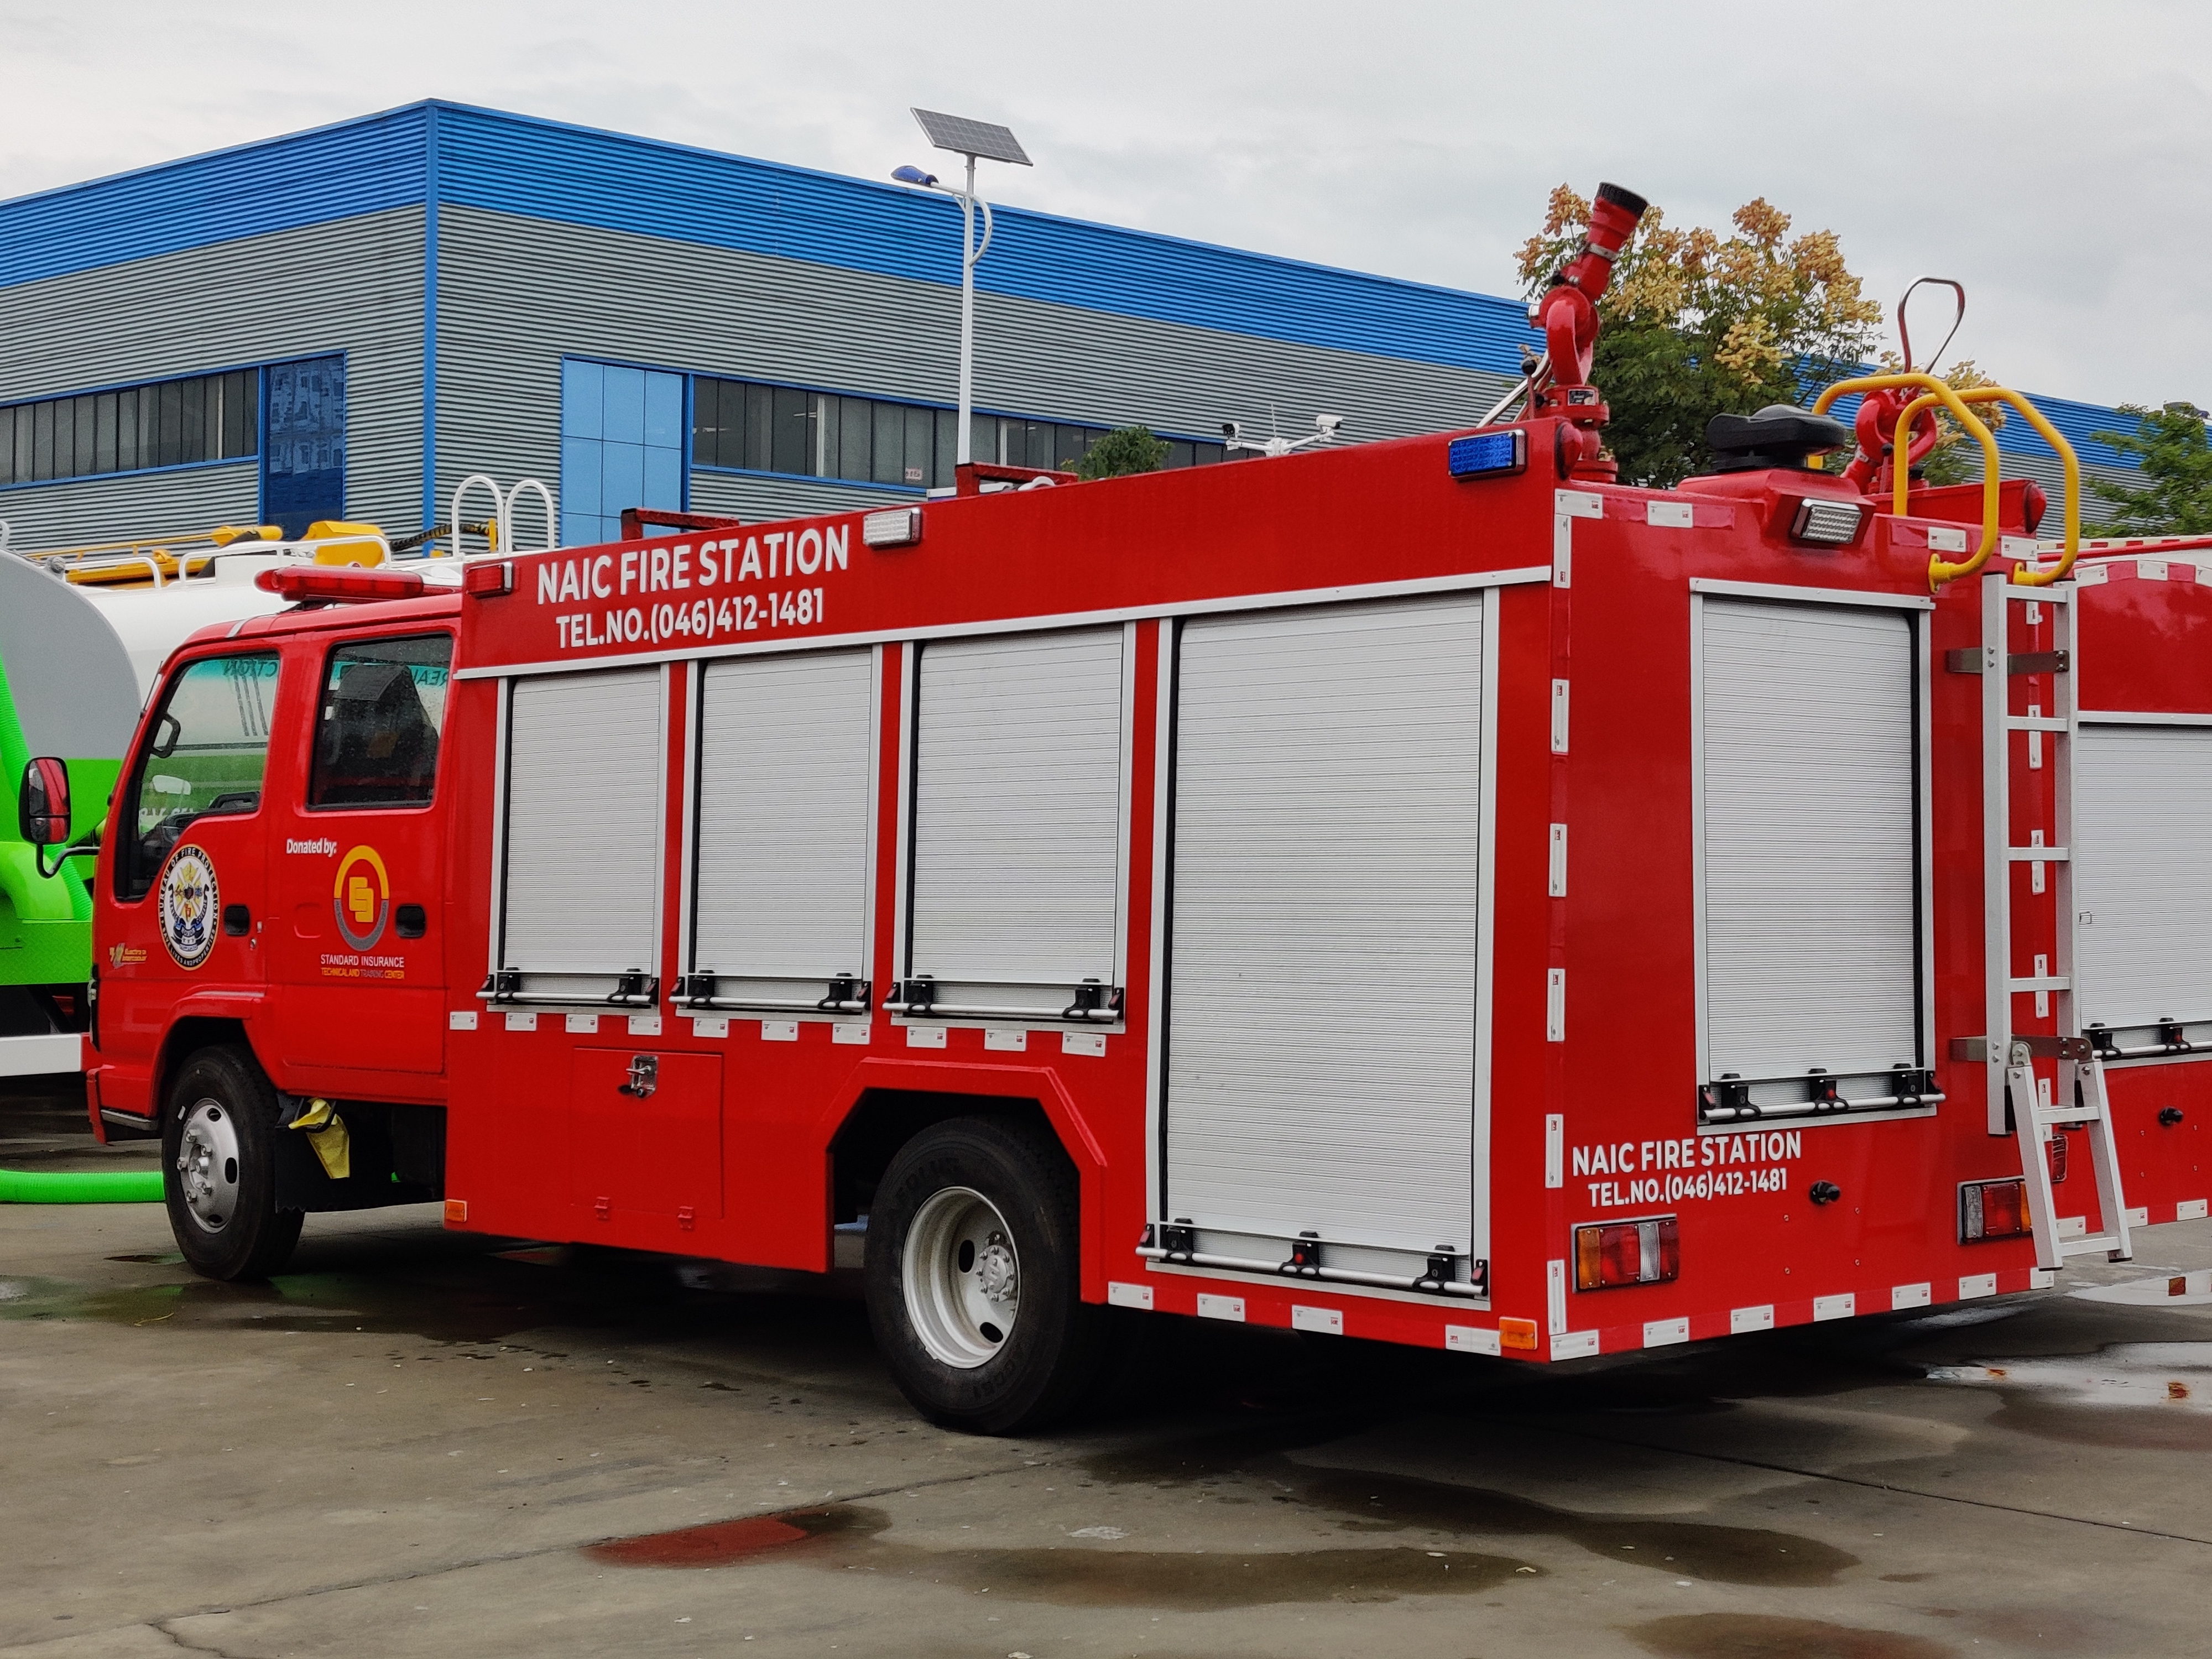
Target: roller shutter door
[
  {"x": 1811, "y": 867},
  {"x": 583, "y": 828},
  {"x": 1328, "y": 803},
  {"x": 1017, "y": 817},
  {"x": 2143, "y": 878},
  {"x": 785, "y": 748}
]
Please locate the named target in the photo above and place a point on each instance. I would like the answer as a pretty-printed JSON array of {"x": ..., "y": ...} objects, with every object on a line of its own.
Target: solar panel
[{"x": 965, "y": 137}]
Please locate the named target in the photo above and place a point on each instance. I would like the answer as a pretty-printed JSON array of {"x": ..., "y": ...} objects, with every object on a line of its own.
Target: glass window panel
[
  {"x": 241, "y": 413},
  {"x": 1074, "y": 444},
  {"x": 663, "y": 417},
  {"x": 1038, "y": 436},
  {"x": 169, "y": 423},
  {"x": 127, "y": 430},
  {"x": 948, "y": 446},
  {"x": 583, "y": 386},
  {"x": 1178, "y": 454},
  {"x": 792, "y": 449},
  {"x": 103, "y": 432},
  {"x": 384, "y": 705},
  {"x": 7, "y": 446},
  {"x": 735, "y": 403},
  {"x": 920, "y": 441},
  {"x": 760, "y": 427},
  {"x": 856, "y": 431},
  {"x": 82, "y": 412},
  {"x": 65, "y": 457},
  {"x": 192, "y": 436},
  {"x": 890, "y": 444},
  {"x": 824, "y": 464},
  {"x": 706, "y": 422},
  {"x": 621, "y": 413},
  {"x": 1206, "y": 455},
  {"x": 42, "y": 440}
]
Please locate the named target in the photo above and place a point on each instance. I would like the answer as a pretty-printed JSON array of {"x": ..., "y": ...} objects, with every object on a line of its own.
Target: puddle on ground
[
  {"x": 1759, "y": 1636},
  {"x": 848, "y": 1537},
  {"x": 1685, "y": 1549},
  {"x": 2153, "y": 1397}
]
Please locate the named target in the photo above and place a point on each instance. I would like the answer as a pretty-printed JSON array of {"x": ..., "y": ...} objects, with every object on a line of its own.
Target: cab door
[
  {"x": 356, "y": 852},
  {"x": 190, "y": 868}
]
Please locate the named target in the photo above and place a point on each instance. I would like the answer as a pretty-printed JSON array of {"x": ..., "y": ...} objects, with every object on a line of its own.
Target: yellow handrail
[
  {"x": 2071, "y": 550},
  {"x": 1933, "y": 392}
]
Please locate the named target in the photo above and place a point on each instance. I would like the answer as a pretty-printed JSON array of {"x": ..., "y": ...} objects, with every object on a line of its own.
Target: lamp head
[
  {"x": 914, "y": 176},
  {"x": 1232, "y": 430},
  {"x": 1328, "y": 424}
]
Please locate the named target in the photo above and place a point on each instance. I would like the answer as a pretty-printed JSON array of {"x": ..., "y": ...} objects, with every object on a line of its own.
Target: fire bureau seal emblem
[{"x": 188, "y": 906}]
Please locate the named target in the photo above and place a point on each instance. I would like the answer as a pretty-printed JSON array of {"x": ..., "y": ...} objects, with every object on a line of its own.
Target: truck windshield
[{"x": 207, "y": 751}]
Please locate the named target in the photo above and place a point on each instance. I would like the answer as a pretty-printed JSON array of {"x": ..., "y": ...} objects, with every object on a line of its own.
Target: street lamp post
[{"x": 974, "y": 140}]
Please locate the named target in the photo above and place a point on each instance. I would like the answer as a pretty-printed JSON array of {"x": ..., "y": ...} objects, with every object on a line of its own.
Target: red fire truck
[{"x": 1424, "y": 891}]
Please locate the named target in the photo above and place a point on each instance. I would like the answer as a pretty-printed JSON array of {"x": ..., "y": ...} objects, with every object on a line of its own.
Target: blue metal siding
[
  {"x": 309, "y": 178},
  {"x": 580, "y": 176}
]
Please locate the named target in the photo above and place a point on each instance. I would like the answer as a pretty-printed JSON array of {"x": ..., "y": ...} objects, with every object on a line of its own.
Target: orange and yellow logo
[{"x": 360, "y": 898}]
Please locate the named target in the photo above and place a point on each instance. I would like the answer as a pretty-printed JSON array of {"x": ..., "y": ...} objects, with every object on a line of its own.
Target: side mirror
[{"x": 42, "y": 809}]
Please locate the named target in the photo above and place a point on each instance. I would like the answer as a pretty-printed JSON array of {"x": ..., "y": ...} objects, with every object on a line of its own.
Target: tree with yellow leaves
[{"x": 1699, "y": 325}]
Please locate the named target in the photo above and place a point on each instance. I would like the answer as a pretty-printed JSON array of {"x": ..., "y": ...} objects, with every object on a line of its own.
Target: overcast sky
[{"x": 2050, "y": 156}]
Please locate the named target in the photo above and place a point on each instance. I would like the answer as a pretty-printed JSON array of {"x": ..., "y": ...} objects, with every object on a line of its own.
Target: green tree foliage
[
  {"x": 2175, "y": 498},
  {"x": 1699, "y": 325},
  {"x": 1124, "y": 450}
]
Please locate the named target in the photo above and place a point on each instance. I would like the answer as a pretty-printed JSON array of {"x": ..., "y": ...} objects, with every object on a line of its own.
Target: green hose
[{"x": 101, "y": 1187}]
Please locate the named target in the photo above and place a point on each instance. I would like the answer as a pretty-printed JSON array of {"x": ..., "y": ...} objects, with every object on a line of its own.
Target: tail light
[
  {"x": 1992, "y": 1209},
  {"x": 488, "y": 578},
  {"x": 1646, "y": 1252}
]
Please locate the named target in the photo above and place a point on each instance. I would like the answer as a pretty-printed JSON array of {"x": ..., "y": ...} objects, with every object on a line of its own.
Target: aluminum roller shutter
[
  {"x": 1811, "y": 868},
  {"x": 584, "y": 787},
  {"x": 1016, "y": 816},
  {"x": 787, "y": 745},
  {"x": 1321, "y": 1045},
  {"x": 2142, "y": 883}
]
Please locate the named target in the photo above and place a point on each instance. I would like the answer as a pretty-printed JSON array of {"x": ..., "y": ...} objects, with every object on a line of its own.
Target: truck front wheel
[
  {"x": 219, "y": 1168},
  {"x": 974, "y": 1247}
]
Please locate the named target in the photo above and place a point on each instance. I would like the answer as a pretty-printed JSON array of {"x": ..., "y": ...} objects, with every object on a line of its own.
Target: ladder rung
[
  {"x": 2056, "y": 1115},
  {"x": 2105, "y": 1242},
  {"x": 2035, "y": 723},
  {"x": 2045, "y": 983},
  {"x": 2039, "y": 854},
  {"x": 2038, "y": 595}
]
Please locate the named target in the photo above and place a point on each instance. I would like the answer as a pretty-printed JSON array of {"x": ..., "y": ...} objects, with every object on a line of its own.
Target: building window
[
  {"x": 745, "y": 425},
  {"x": 208, "y": 417},
  {"x": 303, "y": 470},
  {"x": 621, "y": 445}
]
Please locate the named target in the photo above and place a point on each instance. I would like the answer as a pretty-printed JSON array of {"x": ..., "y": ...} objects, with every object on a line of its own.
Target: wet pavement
[{"x": 414, "y": 1442}]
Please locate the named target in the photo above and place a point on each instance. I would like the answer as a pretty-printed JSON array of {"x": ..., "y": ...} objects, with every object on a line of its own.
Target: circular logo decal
[
  {"x": 188, "y": 906},
  {"x": 360, "y": 898}
]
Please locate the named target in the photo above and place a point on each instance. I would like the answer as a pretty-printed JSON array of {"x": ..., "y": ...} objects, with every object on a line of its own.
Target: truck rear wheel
[
  {"x": 219, "y": 1168},
  {"x": 973, "y": 1246}
]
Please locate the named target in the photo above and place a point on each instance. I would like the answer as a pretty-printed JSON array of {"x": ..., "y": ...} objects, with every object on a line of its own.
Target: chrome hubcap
[
  {"x": 962, "y": 1277},
  {"x": 207, "y": 1165}
]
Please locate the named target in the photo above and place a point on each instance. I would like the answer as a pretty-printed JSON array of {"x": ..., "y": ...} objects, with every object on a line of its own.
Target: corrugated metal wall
[
  {"x": 178, "y": 503},
  {"x": 355, "y": 286},
  {"x": 515, "y": 295}
]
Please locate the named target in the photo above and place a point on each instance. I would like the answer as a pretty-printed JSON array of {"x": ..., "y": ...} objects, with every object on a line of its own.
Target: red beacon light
[
  {"x": 339, "y": 584},
  {"x": 1611, "y": 1253},
  {"x": 487, "y": 579}
]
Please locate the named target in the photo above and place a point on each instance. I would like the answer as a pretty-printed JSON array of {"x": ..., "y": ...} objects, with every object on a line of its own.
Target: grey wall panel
[
  {"x": 516, "y": 293},
  {"x": 751, "y": 497},
  {"x": 186, "y": 503},
  {"x": 354, "y": 286}
]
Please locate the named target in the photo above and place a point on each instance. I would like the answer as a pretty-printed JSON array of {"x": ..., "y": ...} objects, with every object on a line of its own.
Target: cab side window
[
  {"x": 376, "y": 734},
  {"x": 205, "y": 754}
]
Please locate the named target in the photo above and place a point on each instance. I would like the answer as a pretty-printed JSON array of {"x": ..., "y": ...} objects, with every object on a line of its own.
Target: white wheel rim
[
  {"x": 962, "y": 1278},
  {"x": 207, "y": 1165}
]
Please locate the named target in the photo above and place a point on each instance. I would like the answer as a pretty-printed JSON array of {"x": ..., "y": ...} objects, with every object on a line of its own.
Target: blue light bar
[{"x": 1490, "y": 454}]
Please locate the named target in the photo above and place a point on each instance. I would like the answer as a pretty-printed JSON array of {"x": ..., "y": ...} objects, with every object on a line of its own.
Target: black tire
[
  {"x": 219, "y": 1168},
  {"x": 1011, "y": 1190}
]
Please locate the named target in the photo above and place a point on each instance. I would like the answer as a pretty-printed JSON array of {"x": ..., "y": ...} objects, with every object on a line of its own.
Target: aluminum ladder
[{"x": 2017, "y": 1104}]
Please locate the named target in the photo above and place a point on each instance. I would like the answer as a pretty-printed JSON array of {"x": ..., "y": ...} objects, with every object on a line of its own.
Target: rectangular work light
[
  {"x": 1489, "y": 454},
  {"x": 1826, "y": 524},
  {"x": 895, "y": 527},
  {"x": 1644, "y": 1252}
]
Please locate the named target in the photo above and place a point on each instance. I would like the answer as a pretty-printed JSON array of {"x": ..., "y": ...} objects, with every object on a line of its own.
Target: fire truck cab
[{"x": 1425, "y": 892}]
